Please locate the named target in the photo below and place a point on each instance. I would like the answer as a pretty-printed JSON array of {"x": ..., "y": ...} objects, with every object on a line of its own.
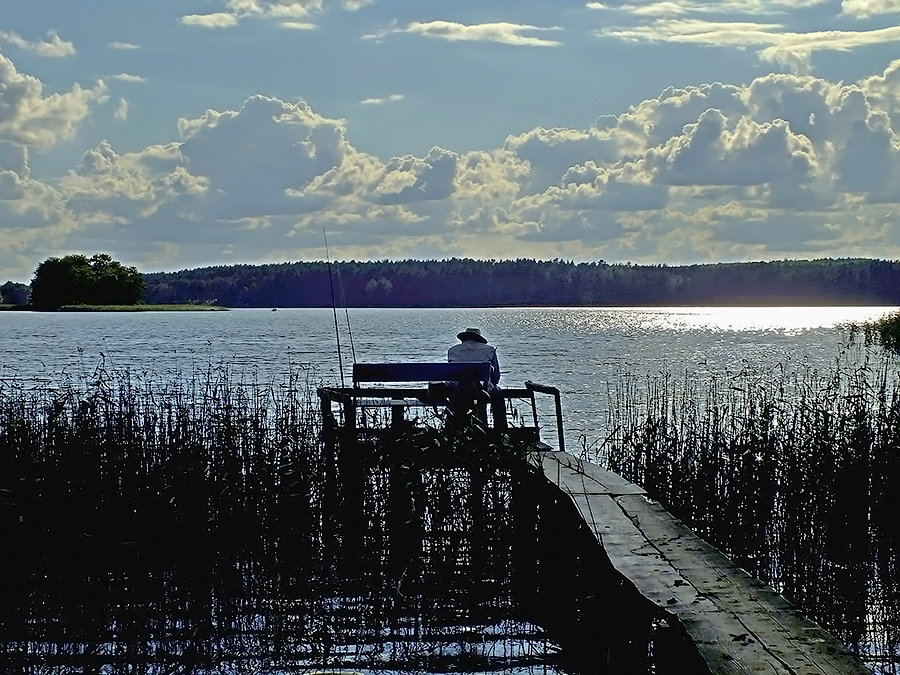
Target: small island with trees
[
  {"x": 78, "y": 283},
  {"x": 79, "y": 280}
]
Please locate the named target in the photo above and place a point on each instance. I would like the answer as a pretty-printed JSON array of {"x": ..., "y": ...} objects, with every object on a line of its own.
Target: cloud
[
  {"x": 30, "y": 118},
  {"x": 252, "y": 156},
  {"x": 883, "y": 92},
  {"x": 121, "y": 112},
  {"x": 392, "y": 98},
  {"x": 409, "y": 179},
  {"x": 551, "y": 152},
  {"x": 793, "y": 49},
  {"x": 127, "y": 77},
  {"x": 54, "y": 47},
  {"x": 215, "y": 20},
  {"x": 499, "y": 32},
  {"x": 776, "y": 45},
  {"x": 711, "y": 152},
  {"x": 286, "y": 11},
  {"x": 870, "y": 161},
  {"x": 123, "y": 46},
  {"x": 862, "y": 9},
  {"x": 786, "y": 165},
  {"x": 668, "y": 8}
]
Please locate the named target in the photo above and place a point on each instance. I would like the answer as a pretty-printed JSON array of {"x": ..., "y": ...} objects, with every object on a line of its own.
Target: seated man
[{"x": 474, "y": 348}]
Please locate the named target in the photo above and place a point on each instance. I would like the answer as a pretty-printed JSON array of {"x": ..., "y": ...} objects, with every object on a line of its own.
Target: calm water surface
[
  {"x": 583, "y": 351},
  {"x": 580, "y": 350}
]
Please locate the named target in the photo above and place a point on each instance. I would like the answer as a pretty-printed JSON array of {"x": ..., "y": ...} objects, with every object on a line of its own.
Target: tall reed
[
  {"x": 792, "y": 473},
  {"x": 190, "y": 523}
]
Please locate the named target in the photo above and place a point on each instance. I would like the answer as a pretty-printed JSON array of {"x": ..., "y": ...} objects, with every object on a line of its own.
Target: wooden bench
[
  {"x": 420, "y": 372},
  {"x": 407, "y": 384}
]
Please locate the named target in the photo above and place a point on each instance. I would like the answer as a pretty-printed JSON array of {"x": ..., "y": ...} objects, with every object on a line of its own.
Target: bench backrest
[{"x": 421, "y": 372}]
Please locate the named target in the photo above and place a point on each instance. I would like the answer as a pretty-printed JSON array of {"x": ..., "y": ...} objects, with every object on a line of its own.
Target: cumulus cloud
[
  {"x": 410, "y": 179},
  {"x": 104, "y": 174},
  {"x": 551, "y": 152},
  {"x": 499, "y": 32},
  {"x": 882, "y": 92},
  {"x": 53, "y": 47},
  {"x": 694, "y": 171},
  {"x": 31, "y": 118},
  {"x": 870, "y": 161},
  {"x": 708, "y": 152},
  {"x": 252, "y": 156},
  {"x": 786, "y": 165}
]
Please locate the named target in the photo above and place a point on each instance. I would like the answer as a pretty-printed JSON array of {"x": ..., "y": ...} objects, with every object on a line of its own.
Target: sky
[{"x": 181, "y": 134}]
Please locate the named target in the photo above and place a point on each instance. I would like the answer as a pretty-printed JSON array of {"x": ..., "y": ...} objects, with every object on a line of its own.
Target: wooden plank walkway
[{"x": 739, "y": 624}]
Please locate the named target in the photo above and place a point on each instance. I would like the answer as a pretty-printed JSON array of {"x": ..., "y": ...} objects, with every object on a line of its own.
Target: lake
[
  {"x": 583, "y": 351},
  {"x": 580, "y": 350}
]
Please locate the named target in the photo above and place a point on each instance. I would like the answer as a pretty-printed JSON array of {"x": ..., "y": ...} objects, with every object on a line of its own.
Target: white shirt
[{"x": 472, "y": 351}]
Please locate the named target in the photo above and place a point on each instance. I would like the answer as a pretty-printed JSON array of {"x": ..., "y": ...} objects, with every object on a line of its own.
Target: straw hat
[{"x": 472, "y": 334}]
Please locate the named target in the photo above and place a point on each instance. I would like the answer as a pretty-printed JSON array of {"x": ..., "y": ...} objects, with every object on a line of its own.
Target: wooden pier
[
  {"x": 737, "y": 623},
  {"x": 733, "y": 622}
]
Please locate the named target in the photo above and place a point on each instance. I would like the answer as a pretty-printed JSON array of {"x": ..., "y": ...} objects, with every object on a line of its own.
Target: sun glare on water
[{"x": 788, "y": 319}]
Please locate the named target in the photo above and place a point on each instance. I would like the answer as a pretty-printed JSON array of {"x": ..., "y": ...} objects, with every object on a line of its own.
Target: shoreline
[{"x": 117, "y": 308}]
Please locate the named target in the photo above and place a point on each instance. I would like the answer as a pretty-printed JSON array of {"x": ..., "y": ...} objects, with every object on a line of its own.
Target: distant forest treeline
[{"x": 476, "y": 283}]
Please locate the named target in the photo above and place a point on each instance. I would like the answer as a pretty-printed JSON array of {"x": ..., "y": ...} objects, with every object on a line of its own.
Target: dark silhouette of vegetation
[
  {"x": 79, "y": 280},
  {"x": 793, "y": 477},
  {"x": 202, "y": 525},
  {"x": 884, "y": 331},
  {"x": 12, "y": 293},
  {"x": 522, "y": 282}
]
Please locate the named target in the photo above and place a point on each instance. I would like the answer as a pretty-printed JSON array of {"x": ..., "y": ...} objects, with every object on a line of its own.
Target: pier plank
[
  {"x": 768, "y": 616},
  {"x": 596, "y": 479},
  {"x": 738, "y": 624}
]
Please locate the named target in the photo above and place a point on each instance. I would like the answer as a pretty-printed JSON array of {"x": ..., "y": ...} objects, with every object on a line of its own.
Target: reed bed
[
  {"x": 792, "y": 473},
  {"x": 199, "y": 524}
]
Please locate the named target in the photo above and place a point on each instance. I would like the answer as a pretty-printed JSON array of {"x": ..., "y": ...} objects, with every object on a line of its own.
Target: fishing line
[
  {"x": 337, "y": 333},
  {"x": 346, "y": 312}
]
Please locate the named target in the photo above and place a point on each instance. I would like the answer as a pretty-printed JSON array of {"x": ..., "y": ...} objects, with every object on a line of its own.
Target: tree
[
  {"x": 12, "y": 293},
  {"x": 79, "y": 280}
]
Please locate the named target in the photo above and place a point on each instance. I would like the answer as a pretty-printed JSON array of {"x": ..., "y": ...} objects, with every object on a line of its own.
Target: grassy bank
[{"x": 792, "y": 475}]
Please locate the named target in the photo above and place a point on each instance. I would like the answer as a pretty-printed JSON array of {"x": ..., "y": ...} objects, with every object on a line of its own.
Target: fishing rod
[
  {"x": 337, "y": 333},
  {"x": 346, "y": 314}
]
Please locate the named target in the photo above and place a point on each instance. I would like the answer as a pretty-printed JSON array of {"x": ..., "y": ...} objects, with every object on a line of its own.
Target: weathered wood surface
[
  {"x": 739, "y": 624},
  {"x": 420, "y": 372}
]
